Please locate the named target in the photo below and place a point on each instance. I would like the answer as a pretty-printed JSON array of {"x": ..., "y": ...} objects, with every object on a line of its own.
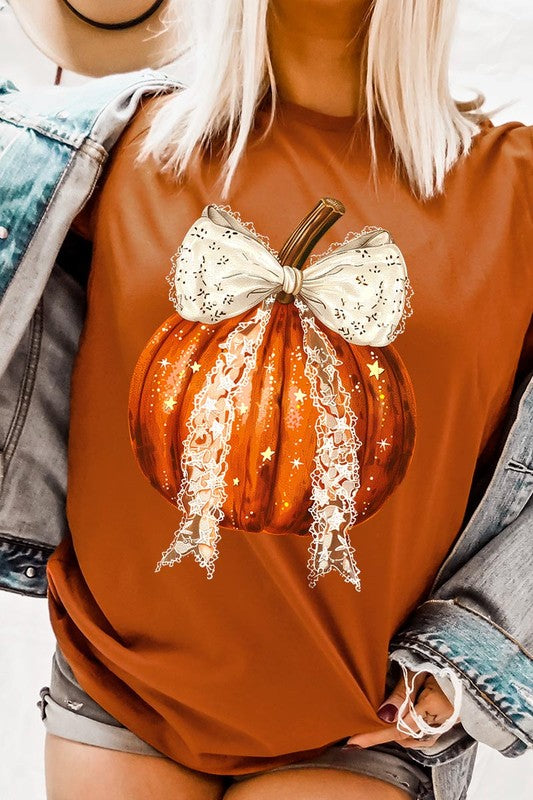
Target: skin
[
  {"x": 317, "y": 44},
  {"x": 431, "y": 704},
  {"x": 314, "y": 45}
]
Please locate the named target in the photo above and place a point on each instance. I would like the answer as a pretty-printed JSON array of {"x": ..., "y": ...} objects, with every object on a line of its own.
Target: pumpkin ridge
[
  {"x": 286, "y": 310},
  {"x": 253, "y": 422}
]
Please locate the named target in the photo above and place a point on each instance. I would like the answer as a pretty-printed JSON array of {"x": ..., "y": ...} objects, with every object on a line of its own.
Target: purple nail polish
[{"x": 388, "y": 712}]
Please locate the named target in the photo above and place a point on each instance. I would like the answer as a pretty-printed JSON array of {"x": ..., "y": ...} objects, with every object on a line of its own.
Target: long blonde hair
[{"x": 404, "y": 79}]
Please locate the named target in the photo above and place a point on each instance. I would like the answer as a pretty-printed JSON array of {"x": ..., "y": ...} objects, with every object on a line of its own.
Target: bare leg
[
  {"x": 76, "y": 771},
  {"x": 318, "y": 783}
]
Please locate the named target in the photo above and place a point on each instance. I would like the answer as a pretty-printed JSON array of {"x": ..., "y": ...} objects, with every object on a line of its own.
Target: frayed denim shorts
[{"x": 68, "y": 711}]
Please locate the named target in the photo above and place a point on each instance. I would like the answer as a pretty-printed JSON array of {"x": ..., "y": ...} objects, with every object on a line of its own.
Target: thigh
[
  {"x": 319, "y": 783},
  {"x": 78, "y": 771}
]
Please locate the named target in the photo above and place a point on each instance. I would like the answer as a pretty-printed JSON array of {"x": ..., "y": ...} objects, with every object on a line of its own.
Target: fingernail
[
  {"x": 352, "y": 746},
  {"x": 387, "y": 712}
]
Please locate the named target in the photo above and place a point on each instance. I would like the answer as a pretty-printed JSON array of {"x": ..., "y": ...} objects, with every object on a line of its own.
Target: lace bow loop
[{"x": 360, "y": 289}]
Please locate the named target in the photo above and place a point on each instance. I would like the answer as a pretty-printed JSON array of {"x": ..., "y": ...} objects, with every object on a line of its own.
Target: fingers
[
  {"x": 426, "y": 700},
  {"x": 391, "y": 735},
  {"x": 377, "y": 737},
  {"x": 419, "y": 744},
  {"x": 431, "y": 704},
  {"x": 388, "y": 710}
]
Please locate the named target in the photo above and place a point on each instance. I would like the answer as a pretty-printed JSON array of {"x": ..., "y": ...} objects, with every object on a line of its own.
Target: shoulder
[
  {"x": 497, "y": 172},
  {"x": 137, "y": 127},
  {"x": 509, "y": 143},
  {"x": 142, "y": 119}
]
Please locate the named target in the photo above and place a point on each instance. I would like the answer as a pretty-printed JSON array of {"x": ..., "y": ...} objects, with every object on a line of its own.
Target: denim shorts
[{"x": 68, "y": 711}]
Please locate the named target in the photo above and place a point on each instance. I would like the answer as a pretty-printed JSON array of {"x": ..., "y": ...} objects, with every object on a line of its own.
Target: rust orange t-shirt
[{"x": 253, "y": 669}]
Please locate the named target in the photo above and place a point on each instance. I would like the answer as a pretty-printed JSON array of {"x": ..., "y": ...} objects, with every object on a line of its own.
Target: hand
[{"x": 431, "y": 704}]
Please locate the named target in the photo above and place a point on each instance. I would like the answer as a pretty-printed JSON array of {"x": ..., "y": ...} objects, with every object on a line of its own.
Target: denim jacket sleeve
[
  {"x": 475, "y": 630},
  {"x": 54, "y": 144}
]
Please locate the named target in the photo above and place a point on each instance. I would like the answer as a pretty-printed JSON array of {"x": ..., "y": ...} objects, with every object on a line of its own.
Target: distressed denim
[{"x": 474, "y": 630}]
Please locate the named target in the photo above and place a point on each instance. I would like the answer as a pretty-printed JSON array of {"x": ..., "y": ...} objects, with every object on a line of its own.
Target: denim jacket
[{"x": 474, "y": 630}]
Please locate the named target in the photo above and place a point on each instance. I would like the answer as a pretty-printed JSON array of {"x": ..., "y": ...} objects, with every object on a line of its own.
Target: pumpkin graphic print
[{"x": 275, "y": 417}]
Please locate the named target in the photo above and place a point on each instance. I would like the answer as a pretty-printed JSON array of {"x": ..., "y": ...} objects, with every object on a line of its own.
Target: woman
[{"x": 243, "y": 683}]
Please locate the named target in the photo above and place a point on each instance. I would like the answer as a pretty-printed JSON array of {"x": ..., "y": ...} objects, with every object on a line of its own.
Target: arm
[{"x": 477, "y": 624}]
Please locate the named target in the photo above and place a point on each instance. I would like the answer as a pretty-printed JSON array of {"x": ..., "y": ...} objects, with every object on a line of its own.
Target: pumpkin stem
[{"x": 303, "y": 239}]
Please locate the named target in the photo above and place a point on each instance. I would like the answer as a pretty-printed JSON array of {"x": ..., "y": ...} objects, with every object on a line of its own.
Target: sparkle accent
[
  {"x": 297, "y": 463},
  {"x": 383, "y": 443},
  {"x": 375, "y": 369},
  {"x": 267, "y": 454}
]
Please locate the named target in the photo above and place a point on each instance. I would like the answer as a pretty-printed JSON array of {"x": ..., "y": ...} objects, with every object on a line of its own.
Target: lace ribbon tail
[
  {"x": 335, "y": 477},
  {"x": 204, "y": 457},
  {"x": 331, "y": 549}
]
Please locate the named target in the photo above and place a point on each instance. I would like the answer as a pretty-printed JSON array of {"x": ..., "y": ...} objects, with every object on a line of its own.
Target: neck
[{"x": 316, "y": 52}]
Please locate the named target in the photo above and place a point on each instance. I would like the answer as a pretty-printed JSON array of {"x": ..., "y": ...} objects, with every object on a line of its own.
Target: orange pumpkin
[
  {"x": 273, "y": 441},
  {"x": 273, "y": 470}
]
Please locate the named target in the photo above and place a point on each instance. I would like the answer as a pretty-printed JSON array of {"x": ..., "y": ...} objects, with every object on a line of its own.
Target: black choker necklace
[{"x": 115, "y": 25}]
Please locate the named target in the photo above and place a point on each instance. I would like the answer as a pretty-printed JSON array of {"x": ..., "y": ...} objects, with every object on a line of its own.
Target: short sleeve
[
  {"x": 84, "y": 222},
  {"x": 525, "y": 360}
]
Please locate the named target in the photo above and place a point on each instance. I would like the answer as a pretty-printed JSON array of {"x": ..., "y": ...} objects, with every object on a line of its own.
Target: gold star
[
  {"x": 268, "y": 453},
  {"x": 375, "y": 370},
  {"x": 235, "y": 481},
  {"x": 170, "y": 403},
  {"x": 195, "y": 367},
  {"x": 300, "y": 396},
  {"x": 243, "y": 408}
]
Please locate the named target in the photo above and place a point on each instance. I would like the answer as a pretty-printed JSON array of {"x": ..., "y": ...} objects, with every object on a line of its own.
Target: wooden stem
[{"x": 304, "y": 238}]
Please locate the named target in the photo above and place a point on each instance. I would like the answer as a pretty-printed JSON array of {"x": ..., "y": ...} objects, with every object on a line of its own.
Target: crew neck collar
[{"x": 287, "y": 111}]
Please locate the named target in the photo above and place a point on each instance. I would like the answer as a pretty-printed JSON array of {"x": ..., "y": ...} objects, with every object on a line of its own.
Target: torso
[{"x": 253, "y": 668}]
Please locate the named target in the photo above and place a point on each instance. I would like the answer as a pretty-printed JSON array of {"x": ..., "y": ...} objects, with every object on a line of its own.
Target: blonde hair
[{"x": 404, "y": 79}]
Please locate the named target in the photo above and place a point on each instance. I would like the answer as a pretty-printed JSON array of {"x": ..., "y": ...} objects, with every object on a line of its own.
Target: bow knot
[{"x": 292, "y": 279}]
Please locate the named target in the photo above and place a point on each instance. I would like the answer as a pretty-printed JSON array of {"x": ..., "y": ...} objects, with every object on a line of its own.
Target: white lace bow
[{"x": 359, "y": 289}]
